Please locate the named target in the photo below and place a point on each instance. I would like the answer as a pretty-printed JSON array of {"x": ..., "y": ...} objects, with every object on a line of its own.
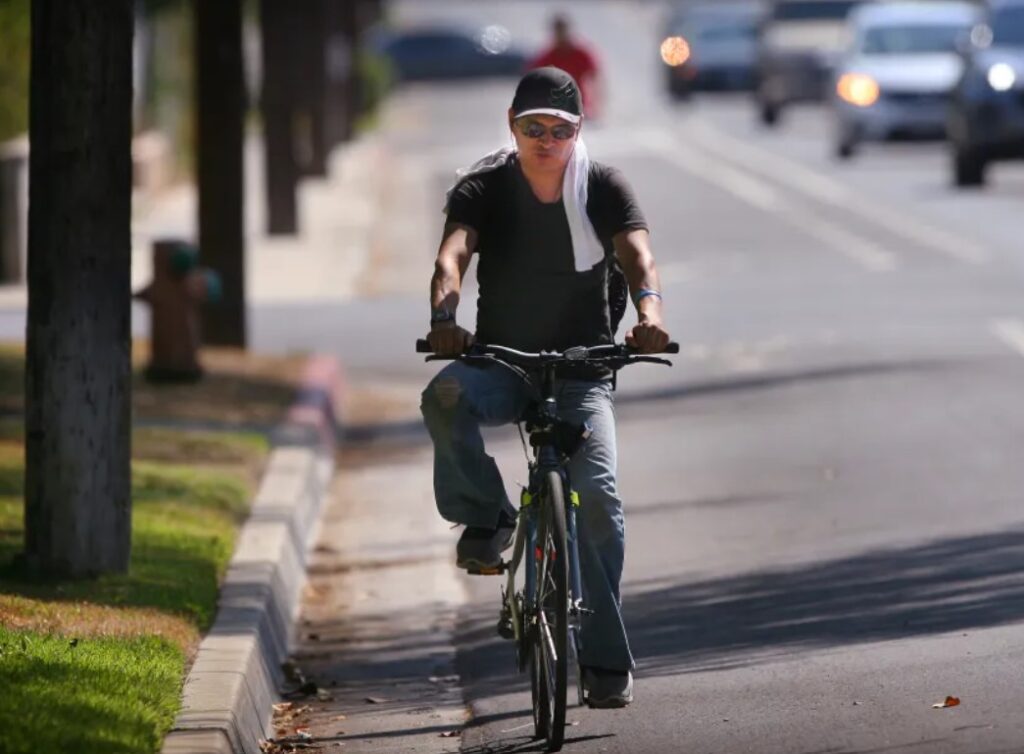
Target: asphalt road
[{"x": 823, "y": 495}]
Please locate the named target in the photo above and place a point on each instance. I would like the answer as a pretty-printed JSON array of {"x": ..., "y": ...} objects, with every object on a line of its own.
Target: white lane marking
[
  {"x": 867, "y": 253},
  {"x": 764, "y": 196},
  {"x": 701, "y": 164},
  {"x": 825, "y": 189},
  {"x": 1011, "y": 332}
]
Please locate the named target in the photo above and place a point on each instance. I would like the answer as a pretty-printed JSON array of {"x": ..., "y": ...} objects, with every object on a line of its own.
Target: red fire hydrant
[{"x": 179, "y": 288}]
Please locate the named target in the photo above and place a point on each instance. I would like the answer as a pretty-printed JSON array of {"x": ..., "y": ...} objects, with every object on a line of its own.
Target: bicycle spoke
[{"x": 546, "y": 637}]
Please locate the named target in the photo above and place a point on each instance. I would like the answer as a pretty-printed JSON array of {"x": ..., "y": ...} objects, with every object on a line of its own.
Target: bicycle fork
[{"x": 510, "y": 623}]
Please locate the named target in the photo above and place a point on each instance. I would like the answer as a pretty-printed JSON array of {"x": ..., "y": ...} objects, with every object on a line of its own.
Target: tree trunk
[
  {"x": 220, "y": 90},
  {"x": 277, "y": 105},
  {"x": 312, "y": 87},
  {"x": 78, "y": 380}
]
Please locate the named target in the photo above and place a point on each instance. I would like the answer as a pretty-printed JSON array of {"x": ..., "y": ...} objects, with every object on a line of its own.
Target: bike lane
[{"x": 373, "y": 665}]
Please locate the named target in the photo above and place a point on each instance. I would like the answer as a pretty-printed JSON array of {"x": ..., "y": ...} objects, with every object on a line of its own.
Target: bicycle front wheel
[{"x": 550, "y": 661}]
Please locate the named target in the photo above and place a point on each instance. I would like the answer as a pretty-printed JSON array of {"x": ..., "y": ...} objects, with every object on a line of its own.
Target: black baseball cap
[{"x": 548, "y": 91}]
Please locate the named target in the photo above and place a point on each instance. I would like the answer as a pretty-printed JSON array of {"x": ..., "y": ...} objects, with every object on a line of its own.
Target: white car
[{"x": 898, "y": 73}]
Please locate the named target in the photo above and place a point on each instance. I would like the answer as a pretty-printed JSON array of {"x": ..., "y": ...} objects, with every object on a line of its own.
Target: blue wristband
[{"x": 644, "y": 293}]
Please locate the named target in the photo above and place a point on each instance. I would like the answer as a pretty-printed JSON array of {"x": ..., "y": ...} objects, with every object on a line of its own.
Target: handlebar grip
[
  {"x": 423, "y": 346},
  {"x": 671, "y": 348}
]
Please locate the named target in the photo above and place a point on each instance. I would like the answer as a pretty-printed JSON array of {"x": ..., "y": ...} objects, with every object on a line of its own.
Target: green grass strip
[
  {"x": 100, "y": 696},
  {"x": 108, "y": 694}
]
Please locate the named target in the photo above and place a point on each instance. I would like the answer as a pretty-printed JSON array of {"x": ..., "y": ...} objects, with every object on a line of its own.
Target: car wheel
[
  {"x": 845, "y": 149},
  {"x": 681, "y": 92},
  {"x": 769, "y": 114},
  {"x": 968, "y": 167}
]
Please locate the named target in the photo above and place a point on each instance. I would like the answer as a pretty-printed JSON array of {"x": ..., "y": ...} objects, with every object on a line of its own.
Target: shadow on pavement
[
  {"x": 953, "y": 584},
  {"x": 523, "y": 744},
  {"x": 946, "y": 585}
]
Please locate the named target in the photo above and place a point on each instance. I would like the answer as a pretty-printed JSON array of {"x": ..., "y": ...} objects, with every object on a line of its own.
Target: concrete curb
[{"x": 228, "y": 694}]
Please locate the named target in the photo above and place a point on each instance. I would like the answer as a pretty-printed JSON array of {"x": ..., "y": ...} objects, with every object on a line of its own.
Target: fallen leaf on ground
[
  {"x": 339, "y": 717},
  {"x": 283, "y": 706},
  {"x": 376, "y": 700},
  {"x": 451, "y": 733},
  {"x": 951, "y": 701}
]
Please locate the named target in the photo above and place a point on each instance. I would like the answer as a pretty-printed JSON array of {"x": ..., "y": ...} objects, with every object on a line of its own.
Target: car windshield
[
  {"x": 726, "y": 32},
  {"x": 812, "y": 11},
  {"x": 908, "y": 40},
  {"x": 1008, "y": 27}
]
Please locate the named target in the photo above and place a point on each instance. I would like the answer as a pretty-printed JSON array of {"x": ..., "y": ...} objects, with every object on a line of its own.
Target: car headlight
[
  {"x": 1002, "y": 77},
  {"x": 857, "y": 89},
  {"x": 495, "y": 39},
  {"x": 675, "y": 51}
]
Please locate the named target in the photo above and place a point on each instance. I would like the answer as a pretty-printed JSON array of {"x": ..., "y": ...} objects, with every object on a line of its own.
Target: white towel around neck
[{"x": 586, "y": 248}]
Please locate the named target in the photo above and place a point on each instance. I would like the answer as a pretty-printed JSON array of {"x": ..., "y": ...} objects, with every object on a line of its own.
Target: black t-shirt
[{"x": 531, "y": 296}]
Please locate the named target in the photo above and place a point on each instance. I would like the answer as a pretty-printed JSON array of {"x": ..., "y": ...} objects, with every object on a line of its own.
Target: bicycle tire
[{"x": 549, "y": 673}]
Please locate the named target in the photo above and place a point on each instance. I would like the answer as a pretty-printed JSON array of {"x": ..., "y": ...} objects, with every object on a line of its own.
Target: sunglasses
[{"x": 532, "y": 129}]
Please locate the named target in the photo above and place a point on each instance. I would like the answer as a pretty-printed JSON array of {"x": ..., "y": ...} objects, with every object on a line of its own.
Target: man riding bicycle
[{"x": 548, "y": 225}]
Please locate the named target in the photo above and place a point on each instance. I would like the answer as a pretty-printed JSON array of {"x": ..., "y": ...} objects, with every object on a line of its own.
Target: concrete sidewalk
[{"x": 378, "y": 620}]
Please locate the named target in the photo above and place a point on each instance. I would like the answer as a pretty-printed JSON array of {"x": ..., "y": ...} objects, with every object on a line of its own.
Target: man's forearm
[
  {"x": 445, "y": 286},
  {"x": 645, "y": 286}
]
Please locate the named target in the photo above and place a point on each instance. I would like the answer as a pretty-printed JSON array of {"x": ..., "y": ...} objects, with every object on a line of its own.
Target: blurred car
[
  {"x": 986, "y": 119},
  {"x": 720, "y": 47},
  {"x": 799, "y": 43},
  {"x": 900, "y": 70},
  {"x": 442, "y": 53}
]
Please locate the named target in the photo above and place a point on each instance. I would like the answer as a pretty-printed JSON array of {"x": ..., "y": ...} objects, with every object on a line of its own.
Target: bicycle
[{"x": 543, "y": 618}]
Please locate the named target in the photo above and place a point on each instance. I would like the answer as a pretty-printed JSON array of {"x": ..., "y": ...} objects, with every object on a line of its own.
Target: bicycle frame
[{"x": 541, "y": 423}]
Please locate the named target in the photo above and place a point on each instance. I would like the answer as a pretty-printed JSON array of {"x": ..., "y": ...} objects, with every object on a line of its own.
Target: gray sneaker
[
  {"x": 607, "y": 689},
  {"x": 480, "y": 548}
]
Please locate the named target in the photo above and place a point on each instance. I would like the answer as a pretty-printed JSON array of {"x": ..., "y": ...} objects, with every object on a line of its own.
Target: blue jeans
[{"x": 469, "y": 489}]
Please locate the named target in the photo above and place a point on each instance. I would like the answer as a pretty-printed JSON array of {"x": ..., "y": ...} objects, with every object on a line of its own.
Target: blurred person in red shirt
[{"x": 574, "y": 58}]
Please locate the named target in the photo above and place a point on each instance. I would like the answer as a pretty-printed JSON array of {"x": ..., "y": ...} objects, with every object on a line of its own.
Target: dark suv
[
  {"x": 986, "y": 120},
  {"x": 799, "y": 43}
]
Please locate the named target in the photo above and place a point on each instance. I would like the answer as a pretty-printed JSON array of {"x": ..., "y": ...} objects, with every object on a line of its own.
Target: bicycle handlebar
[{"x": 578, "y": 354}]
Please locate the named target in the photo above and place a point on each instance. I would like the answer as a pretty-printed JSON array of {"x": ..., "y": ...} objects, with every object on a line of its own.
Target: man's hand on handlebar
[
  {"x": 648, "y": 335},
  {"x": 448, "y": 339}
]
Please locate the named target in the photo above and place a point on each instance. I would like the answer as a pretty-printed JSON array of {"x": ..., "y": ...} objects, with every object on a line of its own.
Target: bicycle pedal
[{"x": 496, "y": 571}]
